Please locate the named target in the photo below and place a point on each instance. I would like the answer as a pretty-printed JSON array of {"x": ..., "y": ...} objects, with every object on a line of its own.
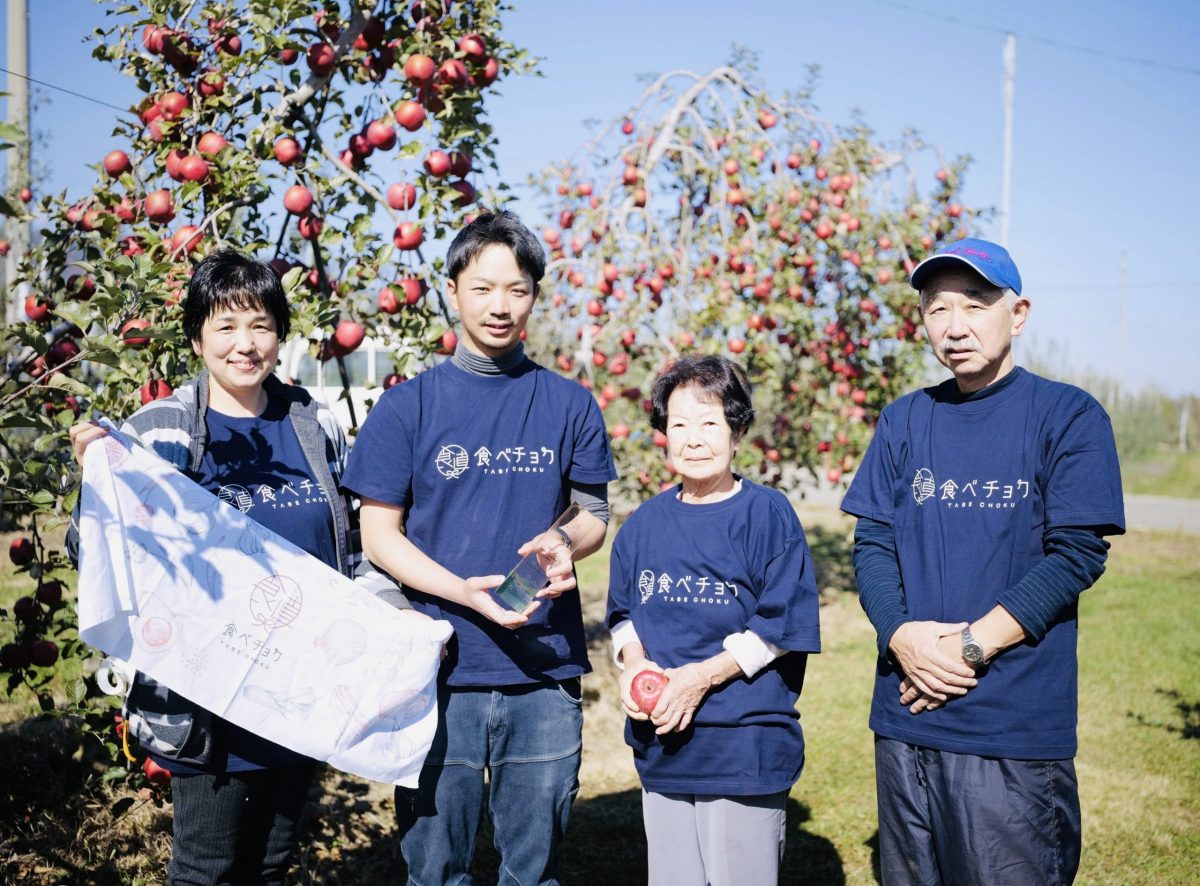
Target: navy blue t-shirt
[
  {"x": 688, "y": 576},
  {"x": 482, "y": 465},
  {"x": 970, "y": 488},
  {"x": 256, "y": 465}
]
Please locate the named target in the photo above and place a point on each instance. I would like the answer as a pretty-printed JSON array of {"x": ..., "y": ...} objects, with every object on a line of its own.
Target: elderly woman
[
  {"x": 712, "y": 585},
  {"x": 246, "y": 436}
]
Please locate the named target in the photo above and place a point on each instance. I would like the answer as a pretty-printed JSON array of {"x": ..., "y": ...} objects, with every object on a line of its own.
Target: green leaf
[
  {"x": 76, "y": 691},
  {"x": 16, "y": 420},
  {"x": 65, "y": 382},
  {"x": 8, "y": 132}
]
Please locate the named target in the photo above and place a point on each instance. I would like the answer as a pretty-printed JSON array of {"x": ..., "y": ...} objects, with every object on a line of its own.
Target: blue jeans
[
  {"x": 238, "y": 827},
  {"x": 529, "y": 740},
  {"x": 957, "y": 818}
]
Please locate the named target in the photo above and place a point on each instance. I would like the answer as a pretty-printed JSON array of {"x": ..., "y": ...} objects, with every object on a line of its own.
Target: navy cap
[{"x": 990, "y": 260}]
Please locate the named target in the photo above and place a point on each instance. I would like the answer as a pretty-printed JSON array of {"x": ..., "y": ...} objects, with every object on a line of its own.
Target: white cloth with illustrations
[{"x": 201, "y": 598}]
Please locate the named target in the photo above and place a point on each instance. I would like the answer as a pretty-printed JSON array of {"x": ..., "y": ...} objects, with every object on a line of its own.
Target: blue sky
[{"x": 1105, "y": 149}]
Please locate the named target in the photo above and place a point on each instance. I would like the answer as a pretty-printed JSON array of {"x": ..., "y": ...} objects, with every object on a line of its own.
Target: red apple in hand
[{"x": 646, "y": 689}]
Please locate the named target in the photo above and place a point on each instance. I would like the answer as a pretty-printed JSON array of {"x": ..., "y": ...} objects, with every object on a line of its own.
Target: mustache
[{"x": 948, "y": 345}]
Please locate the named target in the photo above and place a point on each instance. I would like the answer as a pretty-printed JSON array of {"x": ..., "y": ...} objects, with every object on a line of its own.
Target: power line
[
  {"x": 1183, "y": 284},
  {"x": 1048, "y": 41},
  {"x": 87, "y": 98}
]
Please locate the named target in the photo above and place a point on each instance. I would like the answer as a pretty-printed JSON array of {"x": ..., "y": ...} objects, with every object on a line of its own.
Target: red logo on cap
[{"x": 970, "y": 250}]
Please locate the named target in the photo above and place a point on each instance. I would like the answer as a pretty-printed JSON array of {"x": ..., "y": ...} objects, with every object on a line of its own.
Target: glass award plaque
[{"x": 521, "y": 586}]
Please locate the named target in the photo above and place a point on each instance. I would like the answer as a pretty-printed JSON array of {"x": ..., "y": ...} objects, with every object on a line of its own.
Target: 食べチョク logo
[
  {"x": 452, "y": 461},
  {"x": 922, "y": 485}
]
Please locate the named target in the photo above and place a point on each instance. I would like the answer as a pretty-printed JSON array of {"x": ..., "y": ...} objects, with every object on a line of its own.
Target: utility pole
[
  {"x": 1122, "y": 338},
  {"x": 18, "y": 159},
  {"x": 1010, "y": 77}
]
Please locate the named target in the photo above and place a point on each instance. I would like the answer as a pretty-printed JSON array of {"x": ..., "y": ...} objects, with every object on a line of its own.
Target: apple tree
[
  {"x": 715, "y": 218},
  {"x": 333, "y": 138}
]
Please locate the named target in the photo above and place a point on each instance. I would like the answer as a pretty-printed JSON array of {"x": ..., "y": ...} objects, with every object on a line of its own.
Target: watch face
[{"x": 972, "y": 653}]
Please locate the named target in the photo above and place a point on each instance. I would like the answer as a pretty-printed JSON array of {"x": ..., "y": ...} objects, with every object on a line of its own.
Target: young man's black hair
[{"x": 497, "y": 227}]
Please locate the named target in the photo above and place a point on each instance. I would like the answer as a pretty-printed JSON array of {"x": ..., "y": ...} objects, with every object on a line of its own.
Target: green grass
[
  {"x": 1139, "y": 760},
  {"x": 1176, "y": 474}
]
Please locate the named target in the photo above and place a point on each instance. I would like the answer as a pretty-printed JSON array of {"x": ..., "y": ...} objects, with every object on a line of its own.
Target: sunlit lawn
[{"x": 1139, "y": 761}]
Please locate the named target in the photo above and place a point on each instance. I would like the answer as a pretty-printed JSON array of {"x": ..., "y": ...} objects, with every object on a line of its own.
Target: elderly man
[{"x": 982, "y": 507}]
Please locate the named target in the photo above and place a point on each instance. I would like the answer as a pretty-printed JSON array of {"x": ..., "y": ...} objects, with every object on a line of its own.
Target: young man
[
  {"x": 461, "y": 470},
  {"x": 983, "y": 504}
]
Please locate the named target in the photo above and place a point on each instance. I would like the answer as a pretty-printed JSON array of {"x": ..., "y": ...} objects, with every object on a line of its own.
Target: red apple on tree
[
  {"x": 159, "y": 206},
  {"x": 298, "y": 200},
  {"x": 211, "y": 143},
  {"x": 186, "y": 239},
  {"x": 410, "y": 115},
  {"x": 413, "y": 289},
  {"x": 408, "y": 235},
  {"x": 419, "y": 68},
  {"x": 20, "y": 551},
  {"x": 646, "y": 689},
  {"x": 116, "y": 163},
  {"x": 387, "y": 301},
  {"x": 43, "y": 653},
  {"x": 193, "y": 168},
  {"x": 14, "y": 656},
  {"x": 347, "y": 337},
  {"x": 50, "y": 593},
  {"x": 287, "y": 150},
  {"x": 154, "y": 389},
  {"x": 437, "y": 163},
  {"x": 322, "y": 58},
  {"x": 310, "y": 226},
  {"x": 132, "y": 326},
  {"x": 37, "y": 308},
  {"x": 401, "y": 195},
  {"x": 26, "y": 609},
  {"x": 381, "y": 135}
]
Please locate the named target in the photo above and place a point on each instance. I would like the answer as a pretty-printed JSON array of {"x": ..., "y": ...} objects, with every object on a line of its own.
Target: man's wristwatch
[{"x": 972, "y": 652}]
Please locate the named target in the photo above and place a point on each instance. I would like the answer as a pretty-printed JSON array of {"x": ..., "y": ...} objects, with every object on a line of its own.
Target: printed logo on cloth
[
  {"x": 974, "y": 493},
  {"x": 922, "y": 485},
  {"x": 237, "y": 496},
  {"x": 452, "y": 460},
  {"x": 694, "y": 589}
]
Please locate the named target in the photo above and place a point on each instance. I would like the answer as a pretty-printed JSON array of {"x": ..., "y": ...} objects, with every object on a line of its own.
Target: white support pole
[
  {"x": 1010, "y": 76},
  {"x": 16, "y": 231}
]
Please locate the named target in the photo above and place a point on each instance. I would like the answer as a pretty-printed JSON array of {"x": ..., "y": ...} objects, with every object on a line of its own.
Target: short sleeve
[
  {"x": 787, "y": 613},
  {"x": 591, "y": 459},
  {"x": 618, "y": 583},
  {"x": 380, "y": 466},
  {"x": 871, "y": 492},
  {"x": 1082, "y": 484}
]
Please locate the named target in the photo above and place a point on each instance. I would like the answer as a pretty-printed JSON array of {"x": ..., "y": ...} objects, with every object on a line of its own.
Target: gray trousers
[
  {"x": 947, "y": 818},
  {"x": 699, "y": 839}
]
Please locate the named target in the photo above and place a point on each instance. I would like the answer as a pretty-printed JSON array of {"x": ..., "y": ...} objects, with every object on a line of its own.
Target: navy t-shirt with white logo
[
  {"x": 970, "y": 487},
  {"x": 482, "y": 465},
  {"x": 688, "y": 576}
]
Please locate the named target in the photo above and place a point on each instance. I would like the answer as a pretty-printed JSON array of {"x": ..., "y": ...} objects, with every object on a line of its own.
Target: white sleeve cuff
[
  {"x": 622, "y": 634},
  {"x": 751, "y": 652}
]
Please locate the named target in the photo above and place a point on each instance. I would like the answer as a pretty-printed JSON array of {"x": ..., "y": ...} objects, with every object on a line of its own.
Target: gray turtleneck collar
[{"x": 477, "y": 364}]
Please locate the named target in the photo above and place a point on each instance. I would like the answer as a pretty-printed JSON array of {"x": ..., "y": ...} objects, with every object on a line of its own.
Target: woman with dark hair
[
  {"x": 270, "y": 450},
  {"x": 712, "y": 586}
]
